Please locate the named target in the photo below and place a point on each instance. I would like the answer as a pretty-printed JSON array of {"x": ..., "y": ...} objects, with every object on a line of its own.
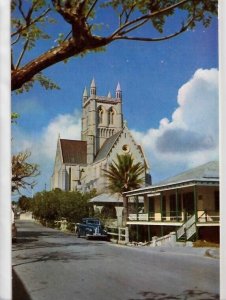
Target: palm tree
[{"x": 124, "y": 175}]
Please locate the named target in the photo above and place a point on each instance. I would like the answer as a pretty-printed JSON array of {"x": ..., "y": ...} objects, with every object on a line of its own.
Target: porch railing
[
  {"x": 138, "y": 217},
  {"x": 209, "y": 217},
  {"x": 156, "y": 216},
  {"x": 180, "y": 216}
]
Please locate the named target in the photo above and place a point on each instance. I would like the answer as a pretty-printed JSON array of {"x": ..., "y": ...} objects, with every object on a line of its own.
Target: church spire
[
  {"x": 93, "y": 89},
  {"x": 118, "y": 91},
  {"x": 85, "y": 94}
]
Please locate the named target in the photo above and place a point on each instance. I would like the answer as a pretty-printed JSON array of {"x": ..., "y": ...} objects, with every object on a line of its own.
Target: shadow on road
[
  {"x": 56, "y": 243},
  {"x": 19, "y": 291},
  {"x": 186, "y": 295},
  {"x": 31, "y": 239}
]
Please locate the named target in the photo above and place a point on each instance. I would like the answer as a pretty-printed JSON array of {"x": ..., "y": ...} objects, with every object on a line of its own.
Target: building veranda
[{"x": 187, "y": 204}]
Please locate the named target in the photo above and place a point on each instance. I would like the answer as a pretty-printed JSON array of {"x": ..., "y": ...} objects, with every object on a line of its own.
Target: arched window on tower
[
  {"x": 111, "y": 116},
  {"x": 100, "y": 115}
]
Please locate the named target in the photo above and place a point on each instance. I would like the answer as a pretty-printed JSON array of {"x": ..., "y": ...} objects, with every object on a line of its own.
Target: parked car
[{"x": 90, "y": 228}]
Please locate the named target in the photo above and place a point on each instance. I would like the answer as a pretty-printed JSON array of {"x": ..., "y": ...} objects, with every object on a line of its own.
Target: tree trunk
[{"x": 125, "y": 206}]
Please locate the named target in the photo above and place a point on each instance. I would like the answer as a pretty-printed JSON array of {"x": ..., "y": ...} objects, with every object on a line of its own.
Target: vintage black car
[{"x": 90, "y": 228}]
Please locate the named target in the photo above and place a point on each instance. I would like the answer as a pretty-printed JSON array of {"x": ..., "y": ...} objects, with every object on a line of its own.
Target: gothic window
[
  {"x": 100, "y": 115},
  {"x": 111, "y": 116}
]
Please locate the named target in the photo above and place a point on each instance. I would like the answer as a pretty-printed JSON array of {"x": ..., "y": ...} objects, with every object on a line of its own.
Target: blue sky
[{"x": 170, "y": 98}]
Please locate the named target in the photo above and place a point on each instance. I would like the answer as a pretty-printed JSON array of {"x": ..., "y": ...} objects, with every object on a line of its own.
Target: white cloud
[
  {"x": 43, "y": 145},
  {"x": 191, "y": 137},
  {"x": 68, "y": 126}
]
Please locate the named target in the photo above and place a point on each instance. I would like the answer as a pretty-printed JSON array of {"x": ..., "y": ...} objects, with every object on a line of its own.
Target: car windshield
[{"x": 93, "y": 222}]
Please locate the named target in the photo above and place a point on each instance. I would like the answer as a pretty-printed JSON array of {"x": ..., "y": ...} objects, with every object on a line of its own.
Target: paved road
[{"x": 53, "y": 265}]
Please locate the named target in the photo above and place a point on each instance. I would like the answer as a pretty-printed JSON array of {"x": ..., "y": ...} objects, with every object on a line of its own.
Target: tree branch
[
  {"x": 129, "y": 13},
  {"x": 134, "y": 27},
  {"x": 91, "y": 9},
  {"x": 21, "y": 169},
  {"x": 21, "y": 10},
  {"x": 69, "y": 48},
  {"x": 12, "y": 65},
  {"x": 183, "y": 28},
  {"x": 22, "y": 28},
  {"x": 22, "y": 54},
  {"x": 148, "y": 16},
  {"x": 16, "y": 40}
]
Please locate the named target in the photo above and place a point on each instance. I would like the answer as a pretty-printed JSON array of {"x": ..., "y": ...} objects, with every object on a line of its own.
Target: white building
[{"x": 79, "y": 164}]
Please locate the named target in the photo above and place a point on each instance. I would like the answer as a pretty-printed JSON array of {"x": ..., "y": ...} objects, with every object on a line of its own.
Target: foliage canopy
[
  {"x": 23, "y": 172},
  {"x": 124, "y": 175},
  {"x": 84, "y": 29},
  {"x": 54, "y": 205}
]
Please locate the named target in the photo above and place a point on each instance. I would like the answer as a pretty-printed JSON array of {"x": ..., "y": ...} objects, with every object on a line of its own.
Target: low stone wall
[{"x": 167, "y": 240}]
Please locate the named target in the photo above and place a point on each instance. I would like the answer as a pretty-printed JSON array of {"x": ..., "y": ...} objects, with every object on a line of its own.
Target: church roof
[
  {"x": 108, "y": 144},
  {"x": 73, "y": 152}
]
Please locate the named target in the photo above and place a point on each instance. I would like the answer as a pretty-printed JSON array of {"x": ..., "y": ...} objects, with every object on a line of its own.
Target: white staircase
[{"x": 187, "y": 230}]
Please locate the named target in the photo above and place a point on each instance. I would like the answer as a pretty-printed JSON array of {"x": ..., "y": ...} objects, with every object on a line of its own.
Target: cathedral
[{"x": 79, "y": 164}]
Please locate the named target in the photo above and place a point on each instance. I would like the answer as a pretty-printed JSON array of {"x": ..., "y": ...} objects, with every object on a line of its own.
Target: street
[{"x": 49, "y": 264}]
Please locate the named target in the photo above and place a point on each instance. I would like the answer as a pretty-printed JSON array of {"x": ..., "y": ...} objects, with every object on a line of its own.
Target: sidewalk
[{"x": 180, "y": 250}]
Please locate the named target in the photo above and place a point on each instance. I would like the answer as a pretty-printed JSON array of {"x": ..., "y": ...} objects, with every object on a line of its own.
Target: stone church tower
[
  {"x": 101, "y": 118},
  {"x": 79, "y": 164}
]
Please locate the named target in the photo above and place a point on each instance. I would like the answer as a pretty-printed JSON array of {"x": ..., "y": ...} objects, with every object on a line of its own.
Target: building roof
[
  {"x": 207, "y": 174},
  {"x": 107, "y": 198},
  {"x": 209, "y": 170},
  {"x": 73, "y": 152},
  {"x": 107, "y": 146}
]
